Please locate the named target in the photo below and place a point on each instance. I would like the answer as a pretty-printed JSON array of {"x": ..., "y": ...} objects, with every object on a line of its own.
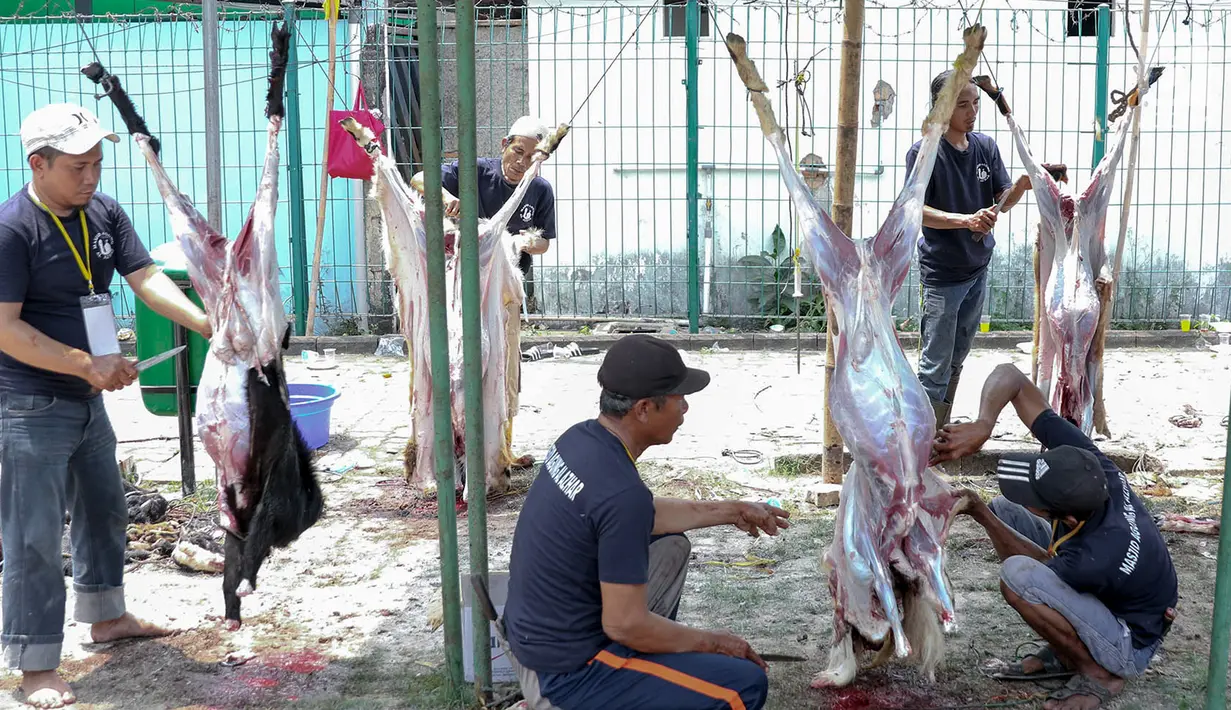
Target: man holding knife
[{"x": 61, "y": 243}]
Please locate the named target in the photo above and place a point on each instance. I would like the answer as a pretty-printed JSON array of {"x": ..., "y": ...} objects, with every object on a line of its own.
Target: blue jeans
[
  {"x": 948, "y": 325},
  {"x": 57, "y": 454},
  {"x": 1105, "y": 635}
]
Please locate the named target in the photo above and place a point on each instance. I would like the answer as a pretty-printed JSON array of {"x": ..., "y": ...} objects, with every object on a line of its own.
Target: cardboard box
[{"x": 498, "y": 588}]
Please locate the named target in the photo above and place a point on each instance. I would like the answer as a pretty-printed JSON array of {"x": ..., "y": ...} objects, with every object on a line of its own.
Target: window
[
  {"x": 1081, "y": 20},
  {"x": 675, "y": 17}
]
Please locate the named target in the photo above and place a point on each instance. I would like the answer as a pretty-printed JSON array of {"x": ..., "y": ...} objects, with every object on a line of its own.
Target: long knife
[
  {"x": 150, "y": 362},
  {"x": 781, "y": 658}
]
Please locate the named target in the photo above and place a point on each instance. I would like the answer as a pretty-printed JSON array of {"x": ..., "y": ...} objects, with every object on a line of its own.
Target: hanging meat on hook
[
  {"x": 1074, "y": 275},
  {"x": 500, "y": 283},
  {"x": 886, "y": 565},
  {"x": 268, "y": 493}
]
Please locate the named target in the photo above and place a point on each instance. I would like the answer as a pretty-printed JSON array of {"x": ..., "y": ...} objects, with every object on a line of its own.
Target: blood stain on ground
[{"x": 297, "y": 661}]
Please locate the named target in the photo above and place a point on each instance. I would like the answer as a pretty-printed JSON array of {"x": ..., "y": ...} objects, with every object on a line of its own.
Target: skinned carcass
[
  {"x": 886, "y": 565},
  {"x": 268, "y": 494},
  {"x": 500, "y": 284}
]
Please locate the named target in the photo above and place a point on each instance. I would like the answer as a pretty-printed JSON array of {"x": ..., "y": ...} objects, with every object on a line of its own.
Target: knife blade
[
  {"x": 150, "y": 362},
  {"x": 781, "y": 658}
]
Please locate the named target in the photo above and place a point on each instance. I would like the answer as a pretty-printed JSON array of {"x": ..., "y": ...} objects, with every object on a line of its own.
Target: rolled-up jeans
[{"x": 57, "y": 454}]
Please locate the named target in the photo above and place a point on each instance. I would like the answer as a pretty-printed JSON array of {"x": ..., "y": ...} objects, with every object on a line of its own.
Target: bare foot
[
  {"x": 46, "y": 689},
  {"x": 125, "y": 627}
]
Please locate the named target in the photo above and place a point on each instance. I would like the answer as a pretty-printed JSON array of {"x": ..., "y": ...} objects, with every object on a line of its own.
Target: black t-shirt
[
  {"x": 587, "y": 519},
  {"x": 538, "y": 207},
  {"x": 1119, "y": 555},
  {"x": 963, "y": 182},
  {"x": 38, "y": 270}
]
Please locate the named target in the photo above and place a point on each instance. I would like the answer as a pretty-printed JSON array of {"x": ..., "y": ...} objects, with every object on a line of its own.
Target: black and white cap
[{"x": 1066, "y": 479}]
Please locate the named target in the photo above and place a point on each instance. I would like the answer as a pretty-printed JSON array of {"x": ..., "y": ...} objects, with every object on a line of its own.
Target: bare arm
[
  {"x": 628, "y": 620},
  {"x": 161, "y": 294},
  {"x": 1007, "y": 541},
  {"x": 452, "y": 203},
  {"x": 1006, "y": 384},
  {"x": 939, "y": 219},
  {"x": 672, "y": 515},
  {"x": 25, "y": 343},
  {"x": 1016, "y": 192}
]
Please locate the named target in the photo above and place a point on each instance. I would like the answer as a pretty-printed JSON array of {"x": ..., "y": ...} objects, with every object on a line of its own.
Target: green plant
[{"x": 777, "y": 280}]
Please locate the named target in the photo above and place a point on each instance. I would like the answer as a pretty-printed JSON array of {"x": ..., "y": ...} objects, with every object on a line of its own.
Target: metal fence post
[
  {"x": 472, "y": 355},
  {"x": 692, "y": 31},
  {"x": 294, "y": 164},
  {"x": 1102, "y": 81},
  {"x": 213, "y": 122},
  {"x": 1220, "y": 634},
  {"x": 446, "y": 513}
]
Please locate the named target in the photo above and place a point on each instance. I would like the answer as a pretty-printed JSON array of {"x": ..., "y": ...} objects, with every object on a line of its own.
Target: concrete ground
[{"x": 339, "y": 619}]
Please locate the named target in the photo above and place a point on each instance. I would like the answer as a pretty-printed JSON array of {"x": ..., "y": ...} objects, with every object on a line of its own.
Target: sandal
[
  {"x": 1052, "y": 668},
  {"x": 1081, "y": 685}
]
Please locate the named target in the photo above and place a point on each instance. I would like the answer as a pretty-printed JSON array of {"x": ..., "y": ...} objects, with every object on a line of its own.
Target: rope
[{"x": 610, "y": 64}]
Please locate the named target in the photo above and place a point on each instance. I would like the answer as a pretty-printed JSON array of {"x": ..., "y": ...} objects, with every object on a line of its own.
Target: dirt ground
[{"x": 339, "y": 620}]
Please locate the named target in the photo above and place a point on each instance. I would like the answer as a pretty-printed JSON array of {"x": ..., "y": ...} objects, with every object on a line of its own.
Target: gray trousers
[
  {"x": 668, "y": 569},
  {"x": 55, "y": 455}
]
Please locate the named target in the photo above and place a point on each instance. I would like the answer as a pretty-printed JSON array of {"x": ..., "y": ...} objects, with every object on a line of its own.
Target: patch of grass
[{"x": 796, "y": 466}]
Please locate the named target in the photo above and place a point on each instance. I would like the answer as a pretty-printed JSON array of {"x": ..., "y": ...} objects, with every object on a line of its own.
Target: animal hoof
[
  {"x": 829, "y": 679},
  {"x": 244, "y": 588},
  {"x": 233, "y": 624}
]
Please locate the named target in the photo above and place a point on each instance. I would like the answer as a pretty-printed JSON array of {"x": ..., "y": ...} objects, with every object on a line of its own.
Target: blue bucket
[{"x": 310, "y": 405}]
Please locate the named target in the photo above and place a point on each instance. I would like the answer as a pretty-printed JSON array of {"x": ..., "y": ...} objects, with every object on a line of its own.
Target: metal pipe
[
  {"x": 472, "y": 355},
  {"x": 183, "y": 410},
  {"x": 1220, "y": 633},
  {"x": 692, "y": 31},
  {"x": 446, "y": 513},
  {"x": 213, "y": 123},
  {"x": 294, "y": 166},
  {"x": 1102, "y": 67}
]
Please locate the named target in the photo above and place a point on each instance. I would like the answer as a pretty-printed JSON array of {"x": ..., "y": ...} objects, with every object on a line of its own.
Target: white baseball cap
[
  {"x": 529, "y": 127},
  {"x": 68, "y": 128}
]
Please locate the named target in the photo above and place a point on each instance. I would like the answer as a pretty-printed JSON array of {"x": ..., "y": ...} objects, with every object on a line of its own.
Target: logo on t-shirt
[
  {"x": 983, "y": 172},
  {"x": 526, "y": 213},
  {"x": 104, "y": 246}
]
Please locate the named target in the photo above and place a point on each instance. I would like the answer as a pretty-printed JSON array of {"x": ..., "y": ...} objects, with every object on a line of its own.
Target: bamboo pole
[
  {"x": 331, "y": 11},
  {"x": 1038, "y": 310},
  {"x": 843, "y": 204},
  {"x": 1107, "y": 291}
]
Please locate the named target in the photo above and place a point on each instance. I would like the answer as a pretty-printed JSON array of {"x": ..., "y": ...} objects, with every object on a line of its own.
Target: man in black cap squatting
[
  {"x": 598, "y": 562},
  {"x": 1084, "y": 563}
]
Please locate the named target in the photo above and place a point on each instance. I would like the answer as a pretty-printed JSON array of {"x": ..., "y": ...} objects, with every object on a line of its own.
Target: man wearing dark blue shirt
[
  {"x": 959, "y": 212},
  {"x": 598, "y": 562},
  {"x": 1083, "y": 562},
  {"x": 61, "y": 244}
]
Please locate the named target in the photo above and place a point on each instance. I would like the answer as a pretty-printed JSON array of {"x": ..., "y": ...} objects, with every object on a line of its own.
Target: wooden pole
[
  {"x": 1038, "y": 310},
  {"x": 1106, "y": 291},
  {"x": 843, "y": 203},
  {"x": 331, "y": 10}
]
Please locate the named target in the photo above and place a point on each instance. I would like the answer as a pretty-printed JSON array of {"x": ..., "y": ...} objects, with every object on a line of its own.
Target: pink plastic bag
[{"x": 346, "y": 158}]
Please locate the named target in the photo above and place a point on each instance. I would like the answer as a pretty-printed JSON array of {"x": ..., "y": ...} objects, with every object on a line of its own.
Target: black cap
[
  {"x": 641, "y": 366},
  {"x": 1063, "y": 480}
]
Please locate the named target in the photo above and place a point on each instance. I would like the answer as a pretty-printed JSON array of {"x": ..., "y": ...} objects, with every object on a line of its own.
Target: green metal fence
[{"x": 622, "y": 178}]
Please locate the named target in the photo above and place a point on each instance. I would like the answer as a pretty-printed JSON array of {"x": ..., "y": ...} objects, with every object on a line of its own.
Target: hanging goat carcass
[
  {"x": 268, "y": 494},
  {"x": 500, "y": 284},
  {"x": 886, "y": 565}
]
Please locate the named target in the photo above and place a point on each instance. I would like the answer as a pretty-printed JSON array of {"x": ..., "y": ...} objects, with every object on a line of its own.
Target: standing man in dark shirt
[
  {"x": 61, "y": 242},
  {"x": 533, "y": 225},
  {"x": 959, "y": 213},
  {"x": 1083, "y": 562},
  {"x": 598, "y": 562}
]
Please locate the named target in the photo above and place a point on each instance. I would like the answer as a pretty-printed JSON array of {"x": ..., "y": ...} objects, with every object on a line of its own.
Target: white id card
[{"x": 100, "y": 324}]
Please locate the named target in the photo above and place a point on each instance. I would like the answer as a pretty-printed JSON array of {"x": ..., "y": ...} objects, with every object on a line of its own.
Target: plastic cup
[
  {"x": 985, "y": 324},
  {"x": 1186, "y": 322}
]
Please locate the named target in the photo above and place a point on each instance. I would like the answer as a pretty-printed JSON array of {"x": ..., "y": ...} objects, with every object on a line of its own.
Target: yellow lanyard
[
  {"x": 1051, "y": 551},
  {"x": 86, "y": 270}
]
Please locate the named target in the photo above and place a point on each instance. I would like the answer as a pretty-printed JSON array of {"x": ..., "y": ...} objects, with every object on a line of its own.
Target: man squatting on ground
[
  {"x": 955, "y": 249},
  {"x": 534, "y": 224},
  {"x": 1083, "y": 562},
  {"x": 61, "y": 242},
  {"x": 598, "y": 562}
]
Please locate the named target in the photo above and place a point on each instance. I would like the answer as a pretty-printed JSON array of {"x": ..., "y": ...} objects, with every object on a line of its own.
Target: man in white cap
[
  {"x": 534, "y": 224},
  {"x": 61, "y": 243}
]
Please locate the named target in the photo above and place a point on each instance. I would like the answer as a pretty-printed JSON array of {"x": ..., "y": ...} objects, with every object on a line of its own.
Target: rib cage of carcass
[
  {"x": 1073, "y": 268},
  {"x": 886, "y": 565},
  {"x": 500, "y": 283}
]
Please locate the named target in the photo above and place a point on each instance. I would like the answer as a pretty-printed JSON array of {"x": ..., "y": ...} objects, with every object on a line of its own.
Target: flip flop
[
  {"x": 1081, "y": 685},
  {"x": 1052, "y": 668}
]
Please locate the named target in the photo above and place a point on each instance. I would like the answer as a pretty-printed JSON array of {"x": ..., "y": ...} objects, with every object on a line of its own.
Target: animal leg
[{"x": 234, "y": 549}]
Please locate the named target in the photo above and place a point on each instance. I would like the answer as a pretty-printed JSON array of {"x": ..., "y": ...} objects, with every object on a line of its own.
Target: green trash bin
[{"x": 156, "y": 334}]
